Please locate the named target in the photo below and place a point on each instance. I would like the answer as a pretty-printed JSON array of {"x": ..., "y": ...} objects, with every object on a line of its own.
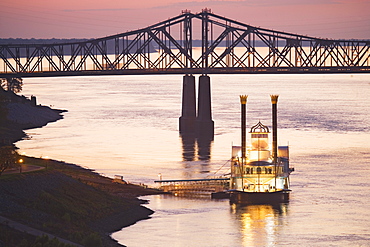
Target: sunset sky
[{"x": 93, "y": 19}]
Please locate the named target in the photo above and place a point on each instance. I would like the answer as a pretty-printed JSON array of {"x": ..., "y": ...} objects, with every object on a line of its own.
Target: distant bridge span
[{"x": 200, "y": 43}]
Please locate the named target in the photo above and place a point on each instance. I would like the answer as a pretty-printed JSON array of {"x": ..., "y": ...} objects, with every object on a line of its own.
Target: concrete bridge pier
[
  {"x": 188, "y": 114},
  {"x": 204, "y": 126}
]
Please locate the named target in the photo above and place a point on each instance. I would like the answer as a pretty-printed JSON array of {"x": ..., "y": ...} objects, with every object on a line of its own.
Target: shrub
[{"x": 92, "y": 240}]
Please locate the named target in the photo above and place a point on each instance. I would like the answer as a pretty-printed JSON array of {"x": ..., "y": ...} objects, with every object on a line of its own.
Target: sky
[{"x": 334, "y": 19}]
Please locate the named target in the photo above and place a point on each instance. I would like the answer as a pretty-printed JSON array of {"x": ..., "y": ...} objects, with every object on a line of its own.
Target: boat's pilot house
[{"x": 259, "y": 139}]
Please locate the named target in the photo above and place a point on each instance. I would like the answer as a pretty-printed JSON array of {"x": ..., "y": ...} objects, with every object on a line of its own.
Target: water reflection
[
  {"x": 259, "y": 224},
  {"x": 196, "y": 148},
  {"x": 204, "y": 148},
  {"x": 188, "y": 147}
]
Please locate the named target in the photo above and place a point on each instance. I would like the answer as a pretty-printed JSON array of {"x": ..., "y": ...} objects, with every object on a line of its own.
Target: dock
[{"x": 194, "y": 187}]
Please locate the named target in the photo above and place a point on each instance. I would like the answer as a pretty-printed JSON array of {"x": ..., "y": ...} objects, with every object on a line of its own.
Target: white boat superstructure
[{"x": 259, "y": 173}]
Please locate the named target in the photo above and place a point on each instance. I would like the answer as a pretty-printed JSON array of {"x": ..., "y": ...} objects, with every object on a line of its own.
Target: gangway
[{"x": 194, "y": 187}]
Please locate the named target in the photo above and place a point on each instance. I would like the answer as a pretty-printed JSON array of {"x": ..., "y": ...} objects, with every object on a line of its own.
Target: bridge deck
[{"x": 279, "y": 70}]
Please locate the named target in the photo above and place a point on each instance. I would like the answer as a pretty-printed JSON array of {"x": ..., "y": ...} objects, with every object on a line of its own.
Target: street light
[
  {"x": 47, "y": 161},
  {"x": 20, "y": 161}
]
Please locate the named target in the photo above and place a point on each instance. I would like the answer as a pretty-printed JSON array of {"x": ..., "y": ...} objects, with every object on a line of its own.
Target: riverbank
[
  {"x": 71, "y": 202},
  {"x": 18, "y": 113},
  {"x": 62, "y": 199}
]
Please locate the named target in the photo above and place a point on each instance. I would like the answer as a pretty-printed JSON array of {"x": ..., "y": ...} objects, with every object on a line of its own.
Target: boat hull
[{"x": 241, "y": 197}]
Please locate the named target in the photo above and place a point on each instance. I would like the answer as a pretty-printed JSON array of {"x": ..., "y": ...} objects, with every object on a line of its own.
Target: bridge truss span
[{"x": 191, "y": 43}]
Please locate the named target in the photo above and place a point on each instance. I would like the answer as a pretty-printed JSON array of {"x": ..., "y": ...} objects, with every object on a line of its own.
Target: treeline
[{"x": 38, "y": 41}]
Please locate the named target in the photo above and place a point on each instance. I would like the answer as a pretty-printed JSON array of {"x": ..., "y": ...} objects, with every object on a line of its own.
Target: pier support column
[
  {"x": 204, "y": 122},
  {"x": 188, "y": 112}
]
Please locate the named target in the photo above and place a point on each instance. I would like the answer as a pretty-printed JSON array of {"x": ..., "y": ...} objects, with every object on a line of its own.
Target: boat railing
[{"x": 281, "y": 169}]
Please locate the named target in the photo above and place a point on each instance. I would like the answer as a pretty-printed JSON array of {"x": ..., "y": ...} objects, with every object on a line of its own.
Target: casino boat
[{"x": 259, "y": 175}]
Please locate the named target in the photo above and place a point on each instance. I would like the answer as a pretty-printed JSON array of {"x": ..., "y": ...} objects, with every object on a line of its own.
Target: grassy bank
[{"x": 70, "y": 202}]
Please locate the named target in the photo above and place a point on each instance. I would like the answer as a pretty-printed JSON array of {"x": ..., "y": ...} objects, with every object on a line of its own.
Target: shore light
[
  {"x": 20, "y": 161},
  {"x": 47, "y": 161}
]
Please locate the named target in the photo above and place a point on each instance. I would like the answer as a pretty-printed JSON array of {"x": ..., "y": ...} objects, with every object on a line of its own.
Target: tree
[
  {"x": 12, "y": 84},
  {"x": 3, "y": 109},
  {"x": 8, "y": 157}
]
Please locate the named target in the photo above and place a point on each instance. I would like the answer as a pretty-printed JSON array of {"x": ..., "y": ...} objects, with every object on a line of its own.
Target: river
[{"x": 128, "y": 125}]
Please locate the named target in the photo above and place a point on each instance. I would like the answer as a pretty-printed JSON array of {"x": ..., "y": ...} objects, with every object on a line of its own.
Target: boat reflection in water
[{"x": 259, "y": 224}]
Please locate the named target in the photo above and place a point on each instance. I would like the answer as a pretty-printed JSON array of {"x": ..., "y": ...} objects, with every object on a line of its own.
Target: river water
[{"x": 128, "y": 125}]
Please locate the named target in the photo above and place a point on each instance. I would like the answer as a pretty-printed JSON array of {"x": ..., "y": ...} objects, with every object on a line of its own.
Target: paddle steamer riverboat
[{"x": 259, "y": 175}]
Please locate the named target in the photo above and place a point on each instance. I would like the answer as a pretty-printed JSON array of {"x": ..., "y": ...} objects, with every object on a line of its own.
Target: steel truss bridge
[{"x": 200, "y": 43}]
